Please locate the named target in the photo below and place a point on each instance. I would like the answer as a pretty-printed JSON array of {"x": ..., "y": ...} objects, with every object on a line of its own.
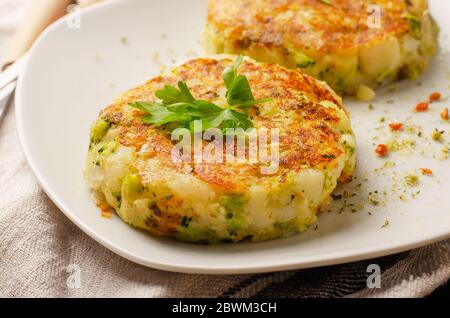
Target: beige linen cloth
[{"x": 40, "y": 248}]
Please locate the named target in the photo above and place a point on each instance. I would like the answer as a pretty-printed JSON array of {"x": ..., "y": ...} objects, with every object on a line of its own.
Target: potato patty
[
  {"x": 130, "y": 164},
  {"x": 339, "y": 41}
]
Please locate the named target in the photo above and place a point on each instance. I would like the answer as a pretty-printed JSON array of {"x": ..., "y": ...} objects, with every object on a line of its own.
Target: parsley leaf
[
  {"x": 203, "y": 108},
  {"x": 230, "y": 118},
  {"x": 159, "y": 114},
  {"x": 170, "y": 95},
  {"x": 177, "y": 104},
  {"x": 239, "y": 92},
  {"x": 238, "y": 88}
]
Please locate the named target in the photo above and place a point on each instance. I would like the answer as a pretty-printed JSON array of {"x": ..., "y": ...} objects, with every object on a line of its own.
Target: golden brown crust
[
  {"x": 308, "y": 133},
  {"x": 309, "y": 24}
]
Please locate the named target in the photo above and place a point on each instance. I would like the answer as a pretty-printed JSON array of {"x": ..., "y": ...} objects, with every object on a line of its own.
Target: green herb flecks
[
  {"x": 415, "y": 25},
  {"x": 307, "y": 63},
  {"x": 178, "y": 105},
  {"x": 304, "y": 61}
]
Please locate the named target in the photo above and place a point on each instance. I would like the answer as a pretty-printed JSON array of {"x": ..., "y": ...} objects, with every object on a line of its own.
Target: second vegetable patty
[{"x": 347, "y": 43}]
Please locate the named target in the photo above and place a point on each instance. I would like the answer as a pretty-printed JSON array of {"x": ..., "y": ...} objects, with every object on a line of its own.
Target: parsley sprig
[{"x": 178, "y": 105}]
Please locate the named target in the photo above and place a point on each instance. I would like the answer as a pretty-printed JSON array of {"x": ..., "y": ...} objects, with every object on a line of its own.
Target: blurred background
[
  {"x": 11, "y": 12},
  {"x": 21, "y": 22}
]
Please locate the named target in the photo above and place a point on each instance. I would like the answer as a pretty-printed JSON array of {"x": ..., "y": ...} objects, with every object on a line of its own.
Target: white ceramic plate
[{"x": 73, "y": 73}]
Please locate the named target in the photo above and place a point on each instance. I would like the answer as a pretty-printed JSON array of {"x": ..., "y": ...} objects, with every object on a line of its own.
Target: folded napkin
[{"x": 42, "y": 254}]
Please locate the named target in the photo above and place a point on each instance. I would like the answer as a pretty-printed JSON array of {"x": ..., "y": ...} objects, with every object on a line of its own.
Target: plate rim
[{"x": 327, "y": 259}]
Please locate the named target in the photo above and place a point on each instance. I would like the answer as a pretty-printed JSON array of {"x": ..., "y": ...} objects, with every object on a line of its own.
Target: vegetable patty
[
  {"x": 350, "y": 44},
  {"x": 130, "y": 166}
]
